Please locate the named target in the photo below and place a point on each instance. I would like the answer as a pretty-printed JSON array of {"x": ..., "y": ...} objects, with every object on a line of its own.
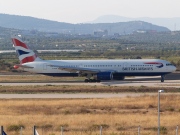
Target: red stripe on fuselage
[{"x": 16, "y": 42}]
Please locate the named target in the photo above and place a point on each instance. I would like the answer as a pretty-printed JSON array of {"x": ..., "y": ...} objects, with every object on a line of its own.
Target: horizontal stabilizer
[{"x": 22, "y": 66}]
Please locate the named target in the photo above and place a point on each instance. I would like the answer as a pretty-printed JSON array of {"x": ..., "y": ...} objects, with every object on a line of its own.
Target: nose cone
[{"x": 174, "y": 68}]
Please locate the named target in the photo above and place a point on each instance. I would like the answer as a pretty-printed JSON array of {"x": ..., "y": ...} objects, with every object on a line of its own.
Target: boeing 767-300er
[{"x": 93, "y": 70}]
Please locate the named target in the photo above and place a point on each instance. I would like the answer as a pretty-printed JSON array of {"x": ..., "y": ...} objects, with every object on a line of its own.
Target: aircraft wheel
[
  {"x": 162, "y": 78},
  {"x": 93, "y": 80},
  {"x": 98, "y": 81},
  {"x": 86, "y": 80}
]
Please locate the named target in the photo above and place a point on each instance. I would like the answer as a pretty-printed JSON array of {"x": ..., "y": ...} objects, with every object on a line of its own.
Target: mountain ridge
[
  {"x": 29, "y": 23},
  {"x": 170, "y": 23}
]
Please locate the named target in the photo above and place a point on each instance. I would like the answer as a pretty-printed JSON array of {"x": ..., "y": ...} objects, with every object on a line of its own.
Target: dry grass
[
  {"x": 84, "y": 116},
  {"x": 80, "y": 88},
  {"x": 36, "y": 78}
]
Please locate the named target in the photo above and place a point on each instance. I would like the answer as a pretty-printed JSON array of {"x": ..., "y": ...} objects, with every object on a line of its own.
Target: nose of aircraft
[{"x": 174, "y": 68}]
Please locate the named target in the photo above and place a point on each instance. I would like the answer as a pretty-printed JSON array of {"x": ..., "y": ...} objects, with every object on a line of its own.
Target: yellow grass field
[
  {"x": 117, "y": 116},
  {"x": 27, "y": 77}
]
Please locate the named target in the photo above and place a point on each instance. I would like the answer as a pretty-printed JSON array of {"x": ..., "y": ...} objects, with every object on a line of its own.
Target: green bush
[
  {"x": 14, "y": 127},
  {"x": 97, "y": 127}
]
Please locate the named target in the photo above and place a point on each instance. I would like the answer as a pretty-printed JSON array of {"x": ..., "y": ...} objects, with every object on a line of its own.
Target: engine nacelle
[
  {"x": 105, "y": 76},
  {"x": 118, "y": 76},
  {"x": 109, "y": 76}
]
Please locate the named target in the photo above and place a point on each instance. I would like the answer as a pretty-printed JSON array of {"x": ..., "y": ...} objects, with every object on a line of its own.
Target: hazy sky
[{"x": 78, "y": 11}]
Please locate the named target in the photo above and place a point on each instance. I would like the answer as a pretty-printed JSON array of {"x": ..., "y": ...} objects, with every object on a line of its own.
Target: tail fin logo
[{"x": 23, "y": 51}]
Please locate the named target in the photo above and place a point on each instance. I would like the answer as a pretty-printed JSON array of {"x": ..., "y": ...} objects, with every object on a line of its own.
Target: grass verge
[{"x": 85, "y": 116}]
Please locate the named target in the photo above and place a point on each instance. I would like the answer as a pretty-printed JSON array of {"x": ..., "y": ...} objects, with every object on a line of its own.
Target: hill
[
  {"x": 29, "y": 23},
  {"x": 170, "y": 23}
]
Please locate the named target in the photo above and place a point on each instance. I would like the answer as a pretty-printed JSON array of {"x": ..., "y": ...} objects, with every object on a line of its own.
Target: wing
[{"x": 80, "y": 69}]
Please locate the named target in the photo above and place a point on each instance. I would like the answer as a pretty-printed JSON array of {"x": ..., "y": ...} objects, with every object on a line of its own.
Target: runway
[
  {"x": 130, "y": 83},
  {"x": 70, "y": 96},
  {"x": 78, "y": 95},
  {"x": 172, "y": 80},
  {"x": 168, "y": 83}
]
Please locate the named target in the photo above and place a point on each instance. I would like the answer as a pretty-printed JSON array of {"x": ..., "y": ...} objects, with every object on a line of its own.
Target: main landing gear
[
  {"x": 92, "y": 80},
  {"x": 162, "y": 78},
  {"x": 88, "y": 78}
]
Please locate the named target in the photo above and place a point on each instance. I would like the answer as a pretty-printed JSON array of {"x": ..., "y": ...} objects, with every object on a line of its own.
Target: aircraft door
[
  {"x": 81, "y": 65},
  {"x": 166, "y": 67},
  {"x": 125, "y": 65}
]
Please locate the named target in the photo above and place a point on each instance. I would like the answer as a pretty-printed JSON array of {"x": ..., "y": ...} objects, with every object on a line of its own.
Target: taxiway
[{"x": 172, "y": 80}]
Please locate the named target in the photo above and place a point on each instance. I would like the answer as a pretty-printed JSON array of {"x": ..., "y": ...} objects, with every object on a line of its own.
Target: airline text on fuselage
[{"x": 137, "y": 68}]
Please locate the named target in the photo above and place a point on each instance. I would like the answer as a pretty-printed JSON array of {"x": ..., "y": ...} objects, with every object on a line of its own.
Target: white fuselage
[
  {"x": 96, "y": 69},
  {"x": 126, "y": 67}
]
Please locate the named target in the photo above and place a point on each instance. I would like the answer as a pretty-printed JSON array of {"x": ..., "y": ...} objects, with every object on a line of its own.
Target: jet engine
[{"x": 104, "y": 76}]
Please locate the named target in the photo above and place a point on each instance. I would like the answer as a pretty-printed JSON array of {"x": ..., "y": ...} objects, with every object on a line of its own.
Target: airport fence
[{"x": 101, "y": 130}]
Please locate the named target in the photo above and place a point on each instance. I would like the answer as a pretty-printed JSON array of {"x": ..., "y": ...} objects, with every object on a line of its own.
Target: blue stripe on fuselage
[{"x": 143, "y": 74}]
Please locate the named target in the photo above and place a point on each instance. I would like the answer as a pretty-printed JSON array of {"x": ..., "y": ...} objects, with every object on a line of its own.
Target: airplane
[{"x": 93, "y": 70}]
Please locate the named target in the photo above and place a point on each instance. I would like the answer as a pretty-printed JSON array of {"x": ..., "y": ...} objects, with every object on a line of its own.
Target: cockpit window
[{"x": 169, "y": 64}]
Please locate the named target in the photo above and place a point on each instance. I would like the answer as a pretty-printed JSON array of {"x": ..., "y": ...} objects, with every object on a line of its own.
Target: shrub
[
  {"x": 163, "y": 130},
  {"x": 65, "y": 127},
  {"x": 171, "y": 109},
  {"x": 14, "y": 127},
  {"x": 113, "y": 133},
  {"x": 94, "y": 127},
  {"x": 97, "y": 127},
  {"x": 120, "y": 128},
  {"x": 46, "y": 126}
]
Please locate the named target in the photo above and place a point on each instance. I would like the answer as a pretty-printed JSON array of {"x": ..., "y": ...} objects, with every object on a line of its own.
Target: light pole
[{"x": 159, "y": 91}]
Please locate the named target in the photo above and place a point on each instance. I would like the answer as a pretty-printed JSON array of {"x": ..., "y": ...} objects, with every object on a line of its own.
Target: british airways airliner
[{"x": 93, "y": 70}]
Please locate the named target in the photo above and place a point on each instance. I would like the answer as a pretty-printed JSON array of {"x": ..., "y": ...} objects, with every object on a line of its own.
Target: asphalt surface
[
  {"x": 77, "y": 95},
  {"x": 171, "y": 76},
  {"x": 171, "y": 80}
]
